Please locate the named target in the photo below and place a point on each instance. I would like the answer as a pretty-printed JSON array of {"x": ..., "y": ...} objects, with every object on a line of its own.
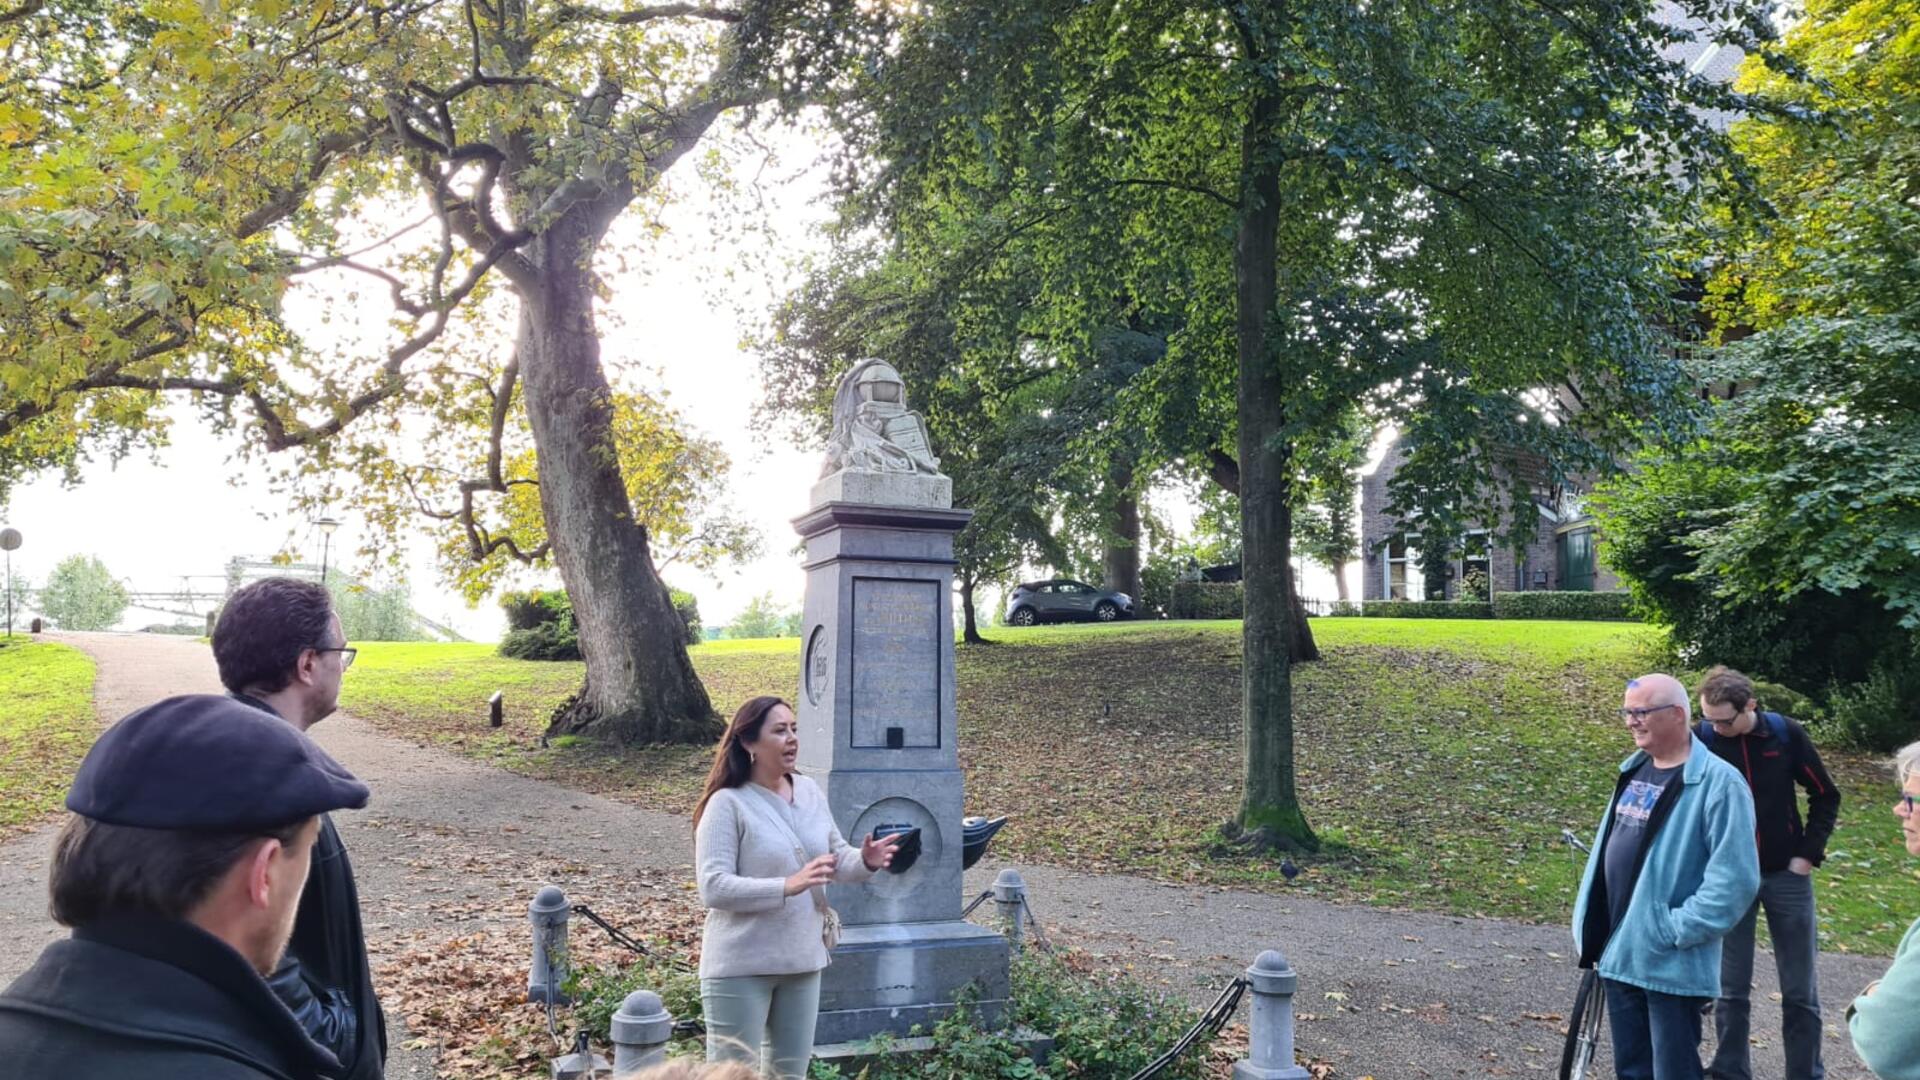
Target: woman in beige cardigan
[{"x": 765, "y": 845}]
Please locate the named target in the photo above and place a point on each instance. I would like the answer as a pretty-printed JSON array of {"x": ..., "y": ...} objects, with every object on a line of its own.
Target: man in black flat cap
[
  {"x": 180, "y": 872},
  {"x": 281, "y": 650}
]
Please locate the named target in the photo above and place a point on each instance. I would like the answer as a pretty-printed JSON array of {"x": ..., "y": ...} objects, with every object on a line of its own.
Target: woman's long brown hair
[{"x": 732, "y": 764}]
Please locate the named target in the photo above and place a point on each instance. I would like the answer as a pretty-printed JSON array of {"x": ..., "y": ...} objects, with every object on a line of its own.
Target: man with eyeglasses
[
  {"x": 281, "y": 649},
  {"x": 1775, "y": 757},
  {"x": 1673, "y": 868}
]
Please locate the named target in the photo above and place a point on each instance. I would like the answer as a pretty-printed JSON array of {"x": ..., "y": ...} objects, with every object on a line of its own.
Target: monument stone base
[
  {"x": 883, "y": 489},
  {"x": 888, "y": 977}
]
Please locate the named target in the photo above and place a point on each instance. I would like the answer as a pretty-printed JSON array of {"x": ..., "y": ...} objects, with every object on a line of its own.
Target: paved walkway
[{"x": 1382, "y": 993}]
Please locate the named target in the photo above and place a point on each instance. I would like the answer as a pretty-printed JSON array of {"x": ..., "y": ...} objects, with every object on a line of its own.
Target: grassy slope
[
  {"x": 46, "y": 725},
  {"x": 1442, "y": 757}
]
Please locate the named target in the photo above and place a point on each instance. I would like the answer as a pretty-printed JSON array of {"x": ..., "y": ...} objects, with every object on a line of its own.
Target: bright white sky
[{"x": 188, "y": 511}]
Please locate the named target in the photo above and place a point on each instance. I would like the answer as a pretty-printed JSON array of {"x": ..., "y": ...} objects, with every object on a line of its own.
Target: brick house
[{"x": 1564, "y": 552}]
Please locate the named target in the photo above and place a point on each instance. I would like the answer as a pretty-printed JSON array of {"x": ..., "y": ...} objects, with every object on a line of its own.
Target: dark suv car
[{"x": 1061, "y": 600}]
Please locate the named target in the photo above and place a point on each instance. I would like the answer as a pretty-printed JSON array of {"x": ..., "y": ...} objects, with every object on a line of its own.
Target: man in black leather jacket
[
  {"x": 280, "y": 649},
  {"x": 180, "y": 872}
]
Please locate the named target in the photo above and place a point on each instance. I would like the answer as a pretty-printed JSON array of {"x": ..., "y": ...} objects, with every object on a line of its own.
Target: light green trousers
[{"x": 765, "y": 1021}]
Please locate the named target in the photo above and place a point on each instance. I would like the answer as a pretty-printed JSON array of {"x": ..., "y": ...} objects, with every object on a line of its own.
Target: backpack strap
[{"x": 1704, "y": 732}]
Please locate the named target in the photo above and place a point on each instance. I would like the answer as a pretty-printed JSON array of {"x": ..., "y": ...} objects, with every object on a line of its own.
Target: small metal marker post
[
  {"x": 10, "y": 542},
  {"x": 549, "y": 913},
  {"x": 640, "y": 1032},
  {"x": 1270, "y": 1022},
  {"x": 1010, "y": 892},
  {"x": 496, "y": 708}
]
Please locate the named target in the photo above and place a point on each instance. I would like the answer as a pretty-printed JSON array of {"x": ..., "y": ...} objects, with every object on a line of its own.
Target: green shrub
[
  {"x": 1568, "y": 604},
  {"x": 1787, "y": 701},
  {"x": 1158, "y": 575},
  {"x": 1345, "y": 609},
  {"x": 540, "y": 624},
  {"x": 535, "y": 607},
  {"x": 1207, "y": 600},
  {"x": 548, "y": 641},
  {"x": 598, "y": 992},
  {"x": 689, "y": 609},
  {"x": 1882, "y": 713},
  {"x": 1426, "y": 609},
  {"x": 1104, "y": 1025}
]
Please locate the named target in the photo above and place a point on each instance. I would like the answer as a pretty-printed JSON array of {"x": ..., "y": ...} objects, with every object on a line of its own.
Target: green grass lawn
[
  {"x": 46, "y": 725},
  {"x": 1440, "y": 758}
]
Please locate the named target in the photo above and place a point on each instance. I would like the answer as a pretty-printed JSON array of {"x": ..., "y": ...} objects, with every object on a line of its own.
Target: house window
[
  {"x": 1477, "y": 559},
  {"x": 1402, "y": 568}
]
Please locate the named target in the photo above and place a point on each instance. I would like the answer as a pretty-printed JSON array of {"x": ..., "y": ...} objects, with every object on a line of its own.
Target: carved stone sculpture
[{"x": 873, "y": 430}]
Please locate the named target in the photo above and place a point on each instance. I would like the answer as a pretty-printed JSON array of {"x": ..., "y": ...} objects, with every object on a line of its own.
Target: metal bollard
[
  {"x": 496, "y": 708},
  {"x": 1270, "y": 1022},
  {"x": 640, "y": 1032},
  {"x": 1010, "y": 892},
  {"x": 548, "y": 913}
]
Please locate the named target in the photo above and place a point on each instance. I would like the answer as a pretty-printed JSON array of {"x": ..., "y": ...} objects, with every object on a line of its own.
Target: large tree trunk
[
  {"x": 1268, "y": 799},
  {"x": 1120, "y": 562},
  {"x": 640, "y": 685},
  {"x": 971, "y": 627},
  {"x": 1225, "y": 471},
  {"x": 1340, "y": 580}
]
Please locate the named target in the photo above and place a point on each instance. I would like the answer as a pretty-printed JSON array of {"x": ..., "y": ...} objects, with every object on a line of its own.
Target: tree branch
[
  {"x": 633, "y": 16},
  {"x": 1223, "y": 469},
  {"x": 393, "y": 379},
  {"x": 1177, "y": 185}
]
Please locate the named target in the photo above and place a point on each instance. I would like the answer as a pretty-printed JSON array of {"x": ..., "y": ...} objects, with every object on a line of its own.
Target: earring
[{"x": 752, "y": 758}]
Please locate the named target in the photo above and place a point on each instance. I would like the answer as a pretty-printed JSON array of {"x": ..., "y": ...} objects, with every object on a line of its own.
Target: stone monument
[{"x": 876, "y": 712}]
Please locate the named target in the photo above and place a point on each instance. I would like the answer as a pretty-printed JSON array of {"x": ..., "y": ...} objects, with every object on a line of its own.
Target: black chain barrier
[
  {"x": 619, "y": 936},
  {"x": 1033, "y": 921},
  {"x": 1209, "y": 1024}
]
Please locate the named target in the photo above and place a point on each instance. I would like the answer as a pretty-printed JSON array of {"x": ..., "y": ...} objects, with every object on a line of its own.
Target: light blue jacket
[{"x": 1698, "y": 879}]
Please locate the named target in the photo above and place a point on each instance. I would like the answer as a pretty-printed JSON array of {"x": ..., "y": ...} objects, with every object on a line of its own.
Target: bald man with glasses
[{"x": 1673, "y": 868}]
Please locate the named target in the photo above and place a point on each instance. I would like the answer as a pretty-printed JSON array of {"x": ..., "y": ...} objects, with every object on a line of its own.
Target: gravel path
[{"x": 1382, "y": 993}]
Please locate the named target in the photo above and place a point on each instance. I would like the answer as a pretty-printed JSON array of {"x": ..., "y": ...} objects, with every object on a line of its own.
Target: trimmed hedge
[
  {"x": 1562, "y": 605},
  {"x": 1207, "y": 600},
  {"x": 540, "y": 624},
  {"x": 1426, "y": 609}
]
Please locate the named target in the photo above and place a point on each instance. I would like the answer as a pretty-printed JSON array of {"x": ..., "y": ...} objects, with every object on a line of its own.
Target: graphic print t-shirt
[{"x": 1629, "y": 836}]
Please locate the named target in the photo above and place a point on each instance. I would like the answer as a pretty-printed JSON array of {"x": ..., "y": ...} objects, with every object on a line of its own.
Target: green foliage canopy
[
  {"x": 1787, "y": 538},
  {"x": 82, "y": 594}
]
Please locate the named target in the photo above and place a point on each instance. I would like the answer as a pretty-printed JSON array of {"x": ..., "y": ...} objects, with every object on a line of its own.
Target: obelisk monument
[{"x": 876, "y": 711}]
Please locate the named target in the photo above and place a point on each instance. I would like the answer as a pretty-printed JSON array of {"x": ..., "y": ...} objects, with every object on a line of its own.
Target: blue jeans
[
  {"x": 1655, "y": 1036},
  {"x": 1791, "y": 920}
]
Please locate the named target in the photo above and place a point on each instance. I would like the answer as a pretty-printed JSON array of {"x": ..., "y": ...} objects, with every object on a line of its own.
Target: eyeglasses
[
  {"x": 346, "y": 655},
  {"x": 1906, "y": 801},
  {"x": 1642, "y": 714}
]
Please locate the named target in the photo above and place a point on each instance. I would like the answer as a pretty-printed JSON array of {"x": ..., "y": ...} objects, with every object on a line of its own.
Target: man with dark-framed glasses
[
  {"x": 281, "y": 649},
  {"x": 1672, "y": 869},
  {"x": 1775, "y": 757}
]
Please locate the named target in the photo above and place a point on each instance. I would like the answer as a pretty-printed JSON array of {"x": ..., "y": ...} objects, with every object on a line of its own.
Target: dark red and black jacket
[{"x": 1773, "y": 766}]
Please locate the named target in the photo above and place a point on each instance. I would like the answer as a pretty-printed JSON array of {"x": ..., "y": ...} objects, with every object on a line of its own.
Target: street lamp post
[
  {"x": 327, "y": 525},
  {"x": 9, "y": 541}
]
